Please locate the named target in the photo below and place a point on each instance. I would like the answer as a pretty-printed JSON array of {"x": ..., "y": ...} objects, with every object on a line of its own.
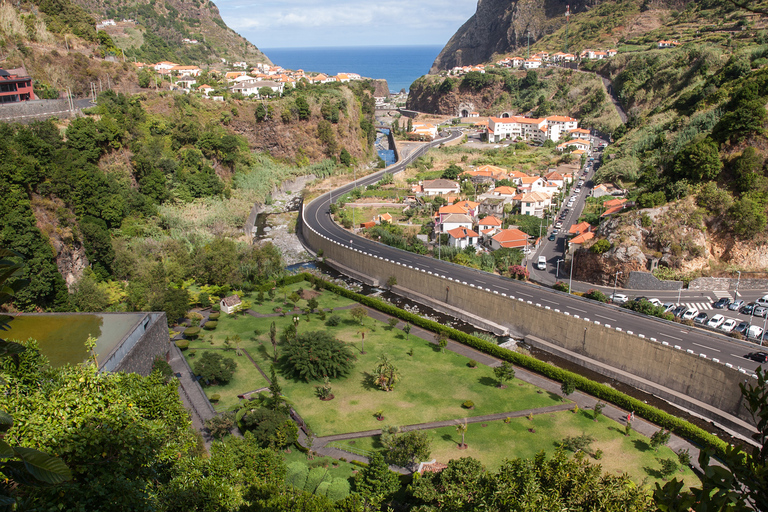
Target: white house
[
  {"x": 581, "y": 144},
  {"x": 462, "y": 237},
  {"x": 509, "y": 239},
  {"x": 186, "y": 70},
  {"x": 164, "y": 66},
  {"x": 532, "y": 63},
  {"x": 455, "y": 220},
  {"x": 247, "y": 88},
  {"x": 565, "y": 123},
  {"x": 534, "y": 203},
  {"x": 230, "y": 304},
  {"x": 500, "y": 128},
  {"x": 440, "y": 187}
]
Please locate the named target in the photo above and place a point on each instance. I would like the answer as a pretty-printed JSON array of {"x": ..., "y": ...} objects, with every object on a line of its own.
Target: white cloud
[{"x": 345, "y": 23}]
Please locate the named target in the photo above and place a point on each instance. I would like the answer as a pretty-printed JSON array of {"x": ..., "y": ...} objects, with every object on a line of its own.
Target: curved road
[{"x": 316, "y": 216}]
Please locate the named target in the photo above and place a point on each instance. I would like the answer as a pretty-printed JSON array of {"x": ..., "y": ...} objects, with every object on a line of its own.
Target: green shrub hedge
[
  {"x": 214, "y": 316},
  {"x": 601, "y": 391},
  {"x": 182, "y": 344},
  {"x": 210, "y": 325},
  {"x": 191, "y": 332}
]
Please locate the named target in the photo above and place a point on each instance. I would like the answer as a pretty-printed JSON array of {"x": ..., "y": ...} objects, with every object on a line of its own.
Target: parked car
[
  {"x": 559, "y": 224},
  {"x": 700, "y": 318},
  {"x": 689, "y": 314},
  {"x": 552, "y": 236},
  {"x": 669, "y": 307},
  {"x": 747, "y": 308},
  {"x": 655, "y": 302},
  {"x": 760, "y": 357},
  {"x": 679, "y": 310},
  {"x": 542, "y": 263},
  {"x": 736, "y": 305},
  {"x": 760, "y": 311},
  {"x": 728, "y": 325},
  {"x": 578, "y": 189},
  {"x": 716, "y": 321},
  {"x": 754, "y": 332},
  {"x": 619, "y": 298},
  {"x": 721, "y": 303},
  {"x": 762, "y": 301},
  {"x": 741, "y": 328}
]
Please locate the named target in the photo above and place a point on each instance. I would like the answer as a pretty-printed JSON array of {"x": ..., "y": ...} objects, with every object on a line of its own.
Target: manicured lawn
[
  {"x": 246, "y": 378},
  {"x": 498, "y": 441}
]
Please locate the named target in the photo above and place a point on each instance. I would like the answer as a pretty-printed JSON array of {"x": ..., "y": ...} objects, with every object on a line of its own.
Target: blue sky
[{"x": 308, "y": 23}]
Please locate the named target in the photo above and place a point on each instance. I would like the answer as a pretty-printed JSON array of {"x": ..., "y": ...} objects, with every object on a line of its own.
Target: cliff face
[{"x": 501, "y": 26}]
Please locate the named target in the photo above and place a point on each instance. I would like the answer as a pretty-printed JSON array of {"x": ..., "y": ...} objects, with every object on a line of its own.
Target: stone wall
[
  {"x": 726, "y": 283},
  {"x": 154, "y": 342},
  {"x": 647, "y": 281},
  {"x": 689, "y": 375},
  {"x": 26, "y": 111}
]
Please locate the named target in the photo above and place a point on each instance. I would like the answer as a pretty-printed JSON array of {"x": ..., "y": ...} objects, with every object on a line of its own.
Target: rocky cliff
[{"x": 501, "y": 26}]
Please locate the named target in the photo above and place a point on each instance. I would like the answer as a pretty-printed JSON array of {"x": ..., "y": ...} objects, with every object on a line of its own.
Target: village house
[
  {"x": 248, "y": 88},
  {"x": 15, "y": 86},
  {"x": 555, "y": 178},
  {"x": 668, "y": 44},
  {"x": 581, "y": 227},
  {"x": 504, "y": 193},
  {"x": 462, "y": 237},
  {"x": 532, "y": 63},
  {"x": 509, "y": 239},
  {"x": 576, "y": 242},
  {"x": 489, "y": 226},
  {"x": 439, "y": 187},
  {"x": 531, "y": 184},
  {"x": 606, "y": 189},
  {"x": 579, "y": 144},
  {"x": 453, "y": 221},
  {"x": 186, "y": 70},
  {"x": 424, "y": 131},
  {"x": 384, "y": 217},
  {"x": 533, "y": 203},
  {"x": 205, "y": 89},
  {"x": 164, "y": 66}
]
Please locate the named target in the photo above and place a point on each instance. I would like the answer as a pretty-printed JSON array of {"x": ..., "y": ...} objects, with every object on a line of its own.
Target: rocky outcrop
[
  {"x": 381, "y": 89},
  {"x": 501, "y": 26}
]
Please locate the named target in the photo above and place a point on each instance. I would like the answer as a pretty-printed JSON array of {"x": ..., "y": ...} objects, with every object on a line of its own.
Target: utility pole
[
  {"x": 529, "y": 45},
  {"x": 567, "y": 17},
  {"x": 615, "y": 282}
]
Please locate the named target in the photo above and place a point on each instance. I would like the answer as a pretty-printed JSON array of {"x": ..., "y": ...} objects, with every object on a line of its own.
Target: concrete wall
[
  {"x": 138, "y": 350},
  {"x": 647, "y": 281},
  {"x": 26, "y": 111},
  {"x": 726, "y": 283},
  {"x": 687, "y": 374}
]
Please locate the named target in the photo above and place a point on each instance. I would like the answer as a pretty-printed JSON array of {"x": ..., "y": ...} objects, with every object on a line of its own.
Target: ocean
[{"x": 400, "y": 66}]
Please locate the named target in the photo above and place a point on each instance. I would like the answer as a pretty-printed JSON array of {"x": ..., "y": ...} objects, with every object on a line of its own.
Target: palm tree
[{"x": 461, "y": 428}]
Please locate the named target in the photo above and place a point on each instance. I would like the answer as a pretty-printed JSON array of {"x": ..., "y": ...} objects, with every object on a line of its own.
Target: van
[
  {"x": 542, "y": 264},
  {"x": 762, "y": 301},
  {"x": 754, "y": 332}
]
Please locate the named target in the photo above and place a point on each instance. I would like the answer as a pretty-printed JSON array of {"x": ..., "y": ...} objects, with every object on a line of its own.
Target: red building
[{"x": 15, "y": 86}]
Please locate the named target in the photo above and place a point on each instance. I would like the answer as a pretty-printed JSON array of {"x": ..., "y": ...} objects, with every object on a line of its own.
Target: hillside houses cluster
[
  {"x": 537, "y": 130},
  {"x": 247, "y": 83}
]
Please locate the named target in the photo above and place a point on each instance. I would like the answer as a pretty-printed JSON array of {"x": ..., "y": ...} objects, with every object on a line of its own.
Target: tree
[
  {"x": 358, "y": 313},
  {"x": 442, "y": 341},
  {"x": 273, "y": 338},
  {"x": 213, "y": 368},
  {"x": 405, "y": 448},
  {"x": 385, "y": 374},
  {"x": 375, "y": 482},
  {"x": 461, "y": 428},
  {"x": 407, "y": 330},
  {"x": 345, "y": 158},
  {"x": 315, "y": 354},
  {"x": 392, "y": 323},
  {"x": 601, "y": 246},
  {"x": 270, "y": 428},
  {"x": 659, "y": 438},
  {"x": 698, "y": 161},
  {"x": 312, "y": 304},
  {"x": 452, "y": 172},
  {"x": 598, "y": 410},
  {"x": 261, "y": 113},
  {"x": 504, "y": 372},
  {"x": 302, "y": 106},
  {"x": 746, "y": 218},
  {"x": 568, "y": 386},
  {"x": 668, "y": 467}
]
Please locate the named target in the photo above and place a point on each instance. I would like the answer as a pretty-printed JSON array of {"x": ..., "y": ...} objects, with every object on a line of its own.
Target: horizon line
[{"x": 263, "y": 48}]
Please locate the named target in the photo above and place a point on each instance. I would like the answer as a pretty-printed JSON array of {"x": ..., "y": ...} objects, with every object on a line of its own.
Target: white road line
[
  {"x": 521, "y": 293},
  {"x": 579, "y": 310},
  {"x": 479, "y": 281},
  {"x": 611, "y": 319},
  {"x": 550, "y": 301},
  {"x": 706, "y": 347},
  {"x": 673, "y": 337}
]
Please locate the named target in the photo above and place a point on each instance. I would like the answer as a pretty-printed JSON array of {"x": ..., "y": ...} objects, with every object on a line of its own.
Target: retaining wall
[
  {"x": 647, "y": 281},
  {"x": 726, "y": 283},
  {"x": 686, "y": 373},
  {"x": 25, "y": 111},
  {"x": 137, "y": 352}
]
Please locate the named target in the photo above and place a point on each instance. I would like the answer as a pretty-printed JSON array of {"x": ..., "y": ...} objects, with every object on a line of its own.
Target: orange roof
[
  {"x": 511, "y": 238},
  {"x": 579, "y": 228},
  {"x": 529, "y": 179},
  {"x": 489, "y": 221},
  {"x": 505, "y": 190},
  {"x": 452, "y": 208},
  {"x": 563, "y": 119},
  {"x": 491, "y": 169},
  {"x": 583, "y": 237},
  {"x": 386, "y": 217},
  {"x": 462, "y": 232},
  {"x": 579, "y": 130},
  {"x": 368, "y": 224},
  {"x": 614, "y": 202},
  {"x": 611, "y": 211},
  {"x": 554, "y": 175}
]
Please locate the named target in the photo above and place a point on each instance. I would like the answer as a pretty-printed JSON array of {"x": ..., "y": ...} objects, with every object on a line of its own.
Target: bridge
[{"x": 694, "y": 369}]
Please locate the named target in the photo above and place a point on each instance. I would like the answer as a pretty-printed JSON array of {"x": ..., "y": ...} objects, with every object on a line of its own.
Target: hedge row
[{"x": 663, "y": 419}]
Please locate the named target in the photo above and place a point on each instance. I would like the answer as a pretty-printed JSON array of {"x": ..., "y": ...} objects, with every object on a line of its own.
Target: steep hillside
[{"x": 540, "y": 93}]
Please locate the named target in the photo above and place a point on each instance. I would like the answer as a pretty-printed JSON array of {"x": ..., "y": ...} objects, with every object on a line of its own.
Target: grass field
[
  {"x": 496, "y": 441},
  {"x": 433, "y": 385}
]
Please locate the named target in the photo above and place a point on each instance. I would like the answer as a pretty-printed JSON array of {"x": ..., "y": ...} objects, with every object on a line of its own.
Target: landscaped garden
[{"x": 382, "y": 374}]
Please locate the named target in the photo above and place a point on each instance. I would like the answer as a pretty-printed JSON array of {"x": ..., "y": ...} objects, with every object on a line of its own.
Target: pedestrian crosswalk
[
  {"x": 701, "y": 306},
  {"x": 721, "y": 294}
]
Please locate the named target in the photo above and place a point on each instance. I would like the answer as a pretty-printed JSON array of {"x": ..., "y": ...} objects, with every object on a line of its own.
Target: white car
[
  {"x": 728, "y": 325},
  {"x": 754, "y": 332},
  {"x": 716, "y": 321},
  {"x": 655, "y": 302},
  {"x": 619, "y": 298},
  {"x": 690, "y": 314}
]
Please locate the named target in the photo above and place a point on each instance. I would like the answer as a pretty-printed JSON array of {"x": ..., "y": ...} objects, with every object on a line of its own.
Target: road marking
[
  {"x": 521, "y": 293},
  {"x": 611, "y": 319},
  {"x": 579, "y": 310},
  {"x": 670, "y": 336},
  {"x": 706, "y": 347},
  {"x": 550, "y": 301},
  {"x": 479, "y": 281}
]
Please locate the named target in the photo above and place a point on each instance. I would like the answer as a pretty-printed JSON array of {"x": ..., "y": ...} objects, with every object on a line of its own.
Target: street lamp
[
  {"x": 762, "y": 334},
  {"x": 615, "y": 282},
  {"x": 557, "y": 271},
  {"x": 737, "y": 283},
  {"x": 679, "y": 291}
]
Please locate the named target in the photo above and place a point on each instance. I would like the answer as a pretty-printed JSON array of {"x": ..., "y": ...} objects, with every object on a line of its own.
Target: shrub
[
  {"x": 214, "y": 397},
  {"x": 182, "y": 344},
  {"x": 561, "y": 286},
  {"x": 210, "y": 325},
  {"x": 214, "y": 316},
  {"x": 472, "y": 363},
  {"x": 221, "y": 425},
  {"x": 601, "y": 246},
  {"x": 191, "y": 332},
  {"x": 596, "y": 295},
  {"x": 468, "y": 404},
  {"x": 598, "y": 454},
  {"x": 333, "y": 321}
]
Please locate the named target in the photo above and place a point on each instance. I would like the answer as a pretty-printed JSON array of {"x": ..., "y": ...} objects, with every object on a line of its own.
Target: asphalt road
[{"x": 697, "y": 341}]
